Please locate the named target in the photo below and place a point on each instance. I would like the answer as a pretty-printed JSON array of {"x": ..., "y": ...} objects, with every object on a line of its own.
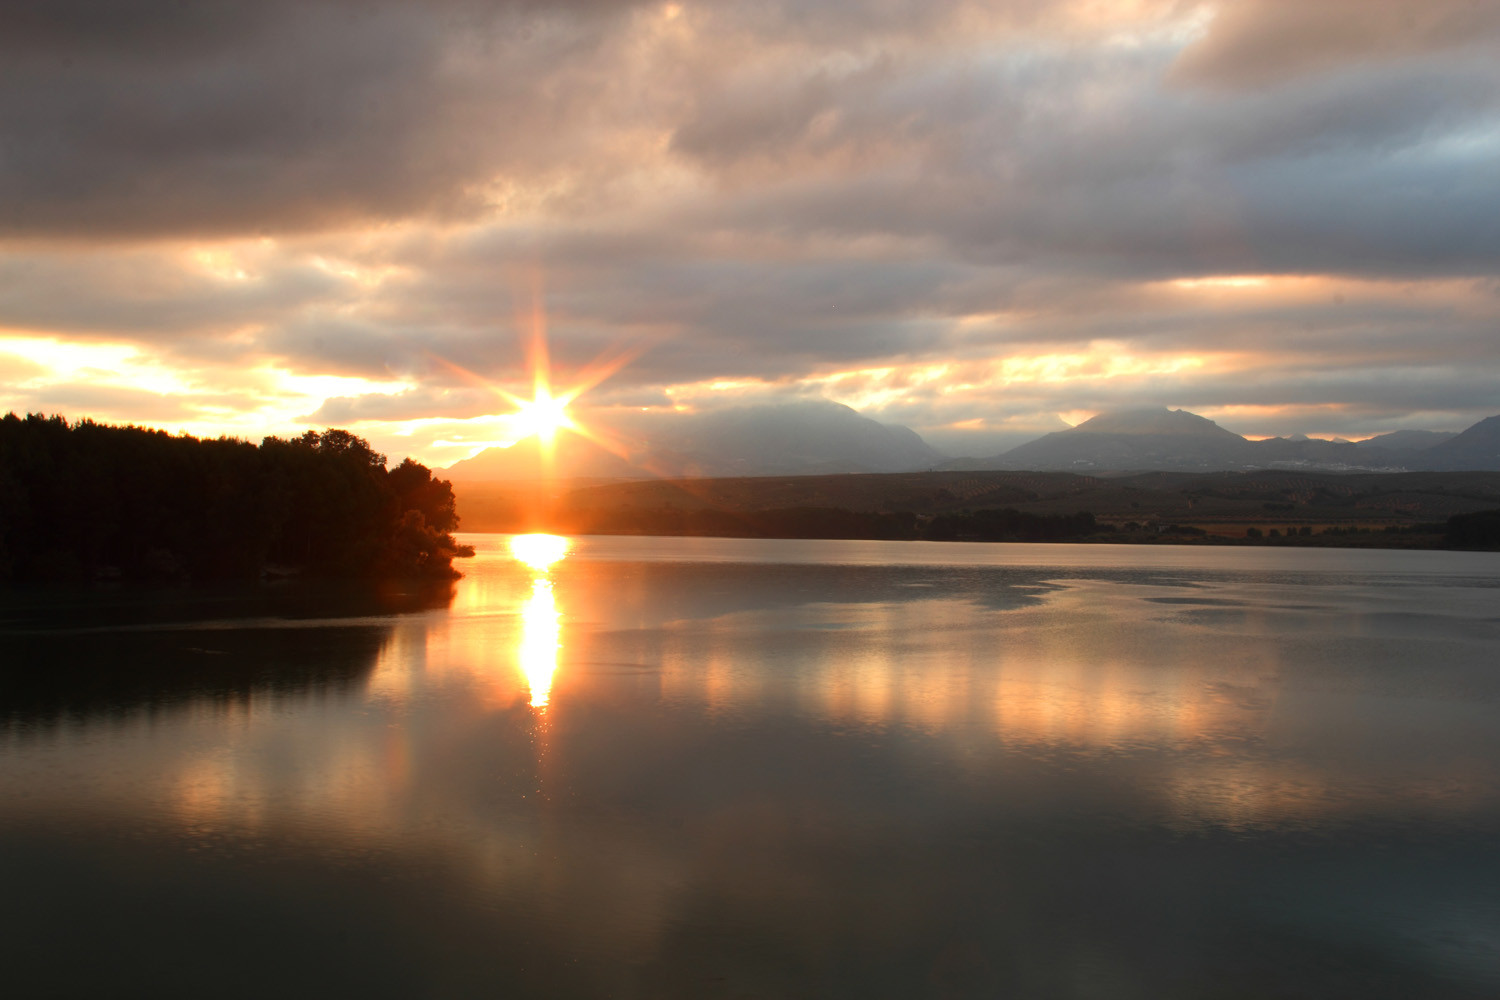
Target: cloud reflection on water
[
  {"x": 1194, "y": 689},
  {"x": 784, "y": 748}
]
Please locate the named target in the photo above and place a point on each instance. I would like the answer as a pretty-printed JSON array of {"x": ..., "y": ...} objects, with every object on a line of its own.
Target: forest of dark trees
[
  {"x": 1480, "y": 530},
  {"x": 1013, "y": 526},
  {"x": 85, "y": 501}
]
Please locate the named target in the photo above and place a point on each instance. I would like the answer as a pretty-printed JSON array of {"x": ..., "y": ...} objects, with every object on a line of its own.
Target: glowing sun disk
[
  {"x": 538, "y": 551},
  {"x": 542, "y": 416}
]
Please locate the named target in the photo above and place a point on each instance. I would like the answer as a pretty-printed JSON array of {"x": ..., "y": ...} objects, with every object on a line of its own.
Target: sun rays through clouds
[{"x": 545, "y": 418}]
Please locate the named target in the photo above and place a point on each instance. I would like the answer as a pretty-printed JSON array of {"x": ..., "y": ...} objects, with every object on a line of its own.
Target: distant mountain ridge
[
  {"x": 1476, "y": 448},
  {"x": 1406, "y": 440},
  {"x": 1179, "y": 441},
  {"x": 1158, "y": 421},
  {"x": 821, "y": 437},
  {"x": 794, "y": 439},
  {"x": 1134, "y": 439},
  {"x": 804, "y": 438}
]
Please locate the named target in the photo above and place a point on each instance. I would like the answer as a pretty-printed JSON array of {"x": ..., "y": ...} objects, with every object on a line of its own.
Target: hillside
[
  {"x": 1405, "y": 440},
  {"x": 1476, "y": 448}
]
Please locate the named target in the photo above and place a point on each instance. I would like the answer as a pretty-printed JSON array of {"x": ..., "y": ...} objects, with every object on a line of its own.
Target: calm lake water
[{"x": 708, "y": 768}]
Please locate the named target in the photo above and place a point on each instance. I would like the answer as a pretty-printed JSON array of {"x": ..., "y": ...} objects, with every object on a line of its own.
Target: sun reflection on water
[
  {"x": 538, "y": 551},
  {"x": 541, "y": 628},
  {"x": 541, "y": 622}
]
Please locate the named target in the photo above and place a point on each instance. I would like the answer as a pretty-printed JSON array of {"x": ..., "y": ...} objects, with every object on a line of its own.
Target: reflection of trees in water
[
  {"x": 113, "y": 673},
  {"x": 88, "y": 658},
  {"x": 1011, "y": 815}
]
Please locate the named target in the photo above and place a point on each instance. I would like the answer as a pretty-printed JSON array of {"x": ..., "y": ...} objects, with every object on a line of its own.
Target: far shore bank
[
  {"x": 1178, "y": 535},
  {"x": 1268, "y": 508}
]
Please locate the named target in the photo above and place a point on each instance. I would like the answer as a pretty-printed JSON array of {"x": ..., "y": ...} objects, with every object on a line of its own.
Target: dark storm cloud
[
  {"x": 157, "y": 117},
  {"x": 1086, "y": 165},
  {"x": 140, "y": 117}
]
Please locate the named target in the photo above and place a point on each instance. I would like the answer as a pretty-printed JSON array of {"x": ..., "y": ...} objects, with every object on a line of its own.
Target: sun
[
  {"x": 545, "y": 416},
  {"x": 542, "y": 416}
]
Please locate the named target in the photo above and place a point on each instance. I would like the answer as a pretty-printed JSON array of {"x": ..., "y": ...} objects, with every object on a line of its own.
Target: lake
[{"x": 698, "y": 768}]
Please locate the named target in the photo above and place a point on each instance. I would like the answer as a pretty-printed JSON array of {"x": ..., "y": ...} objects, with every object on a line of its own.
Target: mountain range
[
  {"x": 794, "y": 439},
  {"x": 822, "y": 437},
  {"x": 1176, "y": 440}
]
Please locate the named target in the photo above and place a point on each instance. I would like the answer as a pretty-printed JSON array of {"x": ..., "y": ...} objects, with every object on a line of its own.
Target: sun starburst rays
[
  {"x": 546, "y": 416},
  {"x": 542, "y": 416}
]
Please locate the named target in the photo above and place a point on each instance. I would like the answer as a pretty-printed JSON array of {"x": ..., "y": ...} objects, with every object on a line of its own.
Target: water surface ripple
[{"x": 705, "y": 768}]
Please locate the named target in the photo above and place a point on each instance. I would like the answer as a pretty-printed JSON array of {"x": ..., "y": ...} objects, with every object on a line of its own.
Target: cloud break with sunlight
[{"x": 965, "y": 219}]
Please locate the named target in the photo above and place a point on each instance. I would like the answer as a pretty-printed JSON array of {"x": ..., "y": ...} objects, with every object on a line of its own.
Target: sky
[{"x": 984, "y": 221}]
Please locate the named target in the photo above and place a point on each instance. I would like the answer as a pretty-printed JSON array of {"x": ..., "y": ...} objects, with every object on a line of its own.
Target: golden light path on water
[
  {"x": 541, "y": 622},
  {"x": 538, "y": 551}
]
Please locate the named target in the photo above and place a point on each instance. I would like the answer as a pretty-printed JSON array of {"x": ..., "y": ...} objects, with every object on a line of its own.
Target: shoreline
[{"x": 1425, "y": 541}]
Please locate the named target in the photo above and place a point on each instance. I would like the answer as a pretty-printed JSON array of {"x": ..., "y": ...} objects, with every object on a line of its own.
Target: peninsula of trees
[{"x": 85, "y": 501}]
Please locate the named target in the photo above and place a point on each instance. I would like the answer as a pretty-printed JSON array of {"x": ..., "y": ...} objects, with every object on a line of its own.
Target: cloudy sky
[{"x": 979, "y": 219}]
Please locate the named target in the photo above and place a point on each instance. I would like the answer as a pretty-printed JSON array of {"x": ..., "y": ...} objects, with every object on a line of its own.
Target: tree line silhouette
[
  {"x": 1479, "y": 530},
  {"x": 88, "y": 501}
]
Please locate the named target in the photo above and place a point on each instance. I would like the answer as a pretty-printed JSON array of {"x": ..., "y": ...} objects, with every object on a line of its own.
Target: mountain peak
[
  {"x": 1159, "y": 420},
  {"x": 797, "y": 438},
  {"x": 571, "y": 456},
  {"x": 1177, "y": 440},
  {"x": 1406, "y": 440},
  {"x": 1478, "y": 447}
]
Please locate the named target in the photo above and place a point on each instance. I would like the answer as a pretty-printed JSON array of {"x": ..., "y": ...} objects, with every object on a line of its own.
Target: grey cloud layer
[
  {"x": 149, "y": 117},
  {"x": 143, "y": 117},
  {"x": 761, "y": 190},
  {"x": 139, "y": 117},
  {"x": 1255, "y": 42},
  {"x": 143, "y": 293}
]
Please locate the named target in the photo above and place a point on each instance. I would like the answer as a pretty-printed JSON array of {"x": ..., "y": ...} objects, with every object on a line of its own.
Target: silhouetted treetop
[{"x": 87, "y": 501}]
